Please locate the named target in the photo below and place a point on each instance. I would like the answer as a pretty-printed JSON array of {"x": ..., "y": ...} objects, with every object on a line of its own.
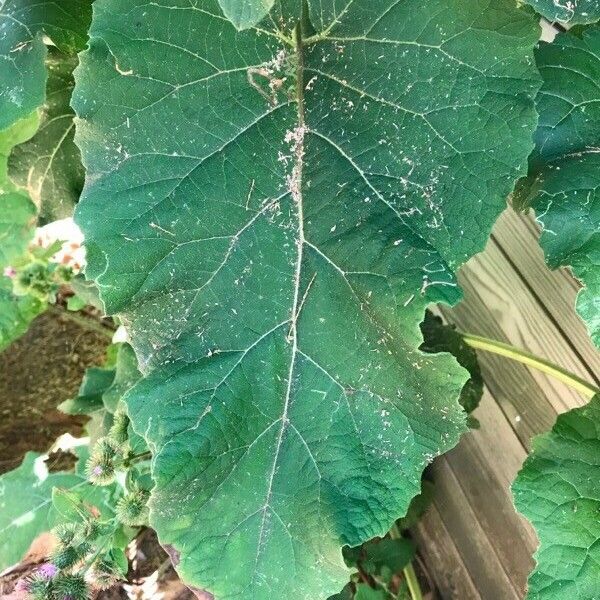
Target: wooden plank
[
  {"x": 442, "y": 559},
  {"x": 490, "y": 499},
  {"x": 517, "y": 234},
  {"x": 511, "y": 296},
  {"x": 476, "y": 549},
  {"x": 498, "y": 304},
  {"x": 473, "y": 495}
]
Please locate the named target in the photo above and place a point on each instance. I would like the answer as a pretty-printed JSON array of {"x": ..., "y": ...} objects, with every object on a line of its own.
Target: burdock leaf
[
  {"x": 558, "y": 490},
  {"x": 564, "y": 180},
  {"x": 48, "y": 166},
  {"x": 568, "y": 11},
  {"x": 270, "y": 220}
]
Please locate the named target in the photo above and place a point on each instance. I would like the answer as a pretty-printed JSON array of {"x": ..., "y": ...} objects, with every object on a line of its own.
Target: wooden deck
[{"x": 473, "y": 543}]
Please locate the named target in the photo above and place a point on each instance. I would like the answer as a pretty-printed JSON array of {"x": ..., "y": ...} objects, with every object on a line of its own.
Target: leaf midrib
[{"x": 295, "y": 185}]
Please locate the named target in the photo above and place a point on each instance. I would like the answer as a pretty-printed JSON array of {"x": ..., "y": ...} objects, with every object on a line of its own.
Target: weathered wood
[
  {"x": 517, "y": 235},
  {"x": 442, "y": 559},
  {"x": 474, "y": 543},
  {"x": 499, "y": 305}
]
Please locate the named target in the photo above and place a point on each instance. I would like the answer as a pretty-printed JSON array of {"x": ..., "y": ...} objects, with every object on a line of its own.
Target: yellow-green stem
[
  {"x": 409, "y": 572},
  {"x": 526, "y": 358}
]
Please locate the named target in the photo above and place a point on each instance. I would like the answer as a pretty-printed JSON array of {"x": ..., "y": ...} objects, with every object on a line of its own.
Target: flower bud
[
  {"x": 104, "y": 574},
  {"x": 70, "y": 587},
  {"x": 39, "y": 588},
  {"x": 66, "y": 533},
  {"x": 118, "y": 431},
  {"x": 106, "y": 457},
  {"x": 64, "y": 557},
  {"x": 132, "y": 509}
]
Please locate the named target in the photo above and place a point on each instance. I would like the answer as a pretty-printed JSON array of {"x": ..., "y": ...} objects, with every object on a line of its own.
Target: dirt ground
[{"x": 38, "y": 372}]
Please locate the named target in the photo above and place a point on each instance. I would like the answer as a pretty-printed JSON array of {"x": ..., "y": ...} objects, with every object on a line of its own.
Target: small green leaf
[
  {"x": 119, "y": 557},
  {"x": 391, "y": 554},
  {"x": 568, "y": 11},
  {"x": 96, "y": 382},
  {"x": 75, "y": 303},
  {"x": 26, "y": 504},
  {"x": 564, "y": 180},
  {"x": 366, "y": 592},
  {"x": 246, "y": 13},
  {"x": 558, "y": 490},
  {"x": 16, "y": 313}
]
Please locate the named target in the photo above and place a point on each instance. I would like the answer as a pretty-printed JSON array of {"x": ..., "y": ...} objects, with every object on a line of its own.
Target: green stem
[
  {"x": 409, "y": 571},
  {"x": 572, "y": 380},
  {"x": 84, "y": 322},
  {"x": 413, "y": 583},
  {"x": 136, "y": 458}
]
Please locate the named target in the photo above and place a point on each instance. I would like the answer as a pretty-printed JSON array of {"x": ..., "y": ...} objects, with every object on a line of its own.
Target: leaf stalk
[{"x": 535, "y": 362}]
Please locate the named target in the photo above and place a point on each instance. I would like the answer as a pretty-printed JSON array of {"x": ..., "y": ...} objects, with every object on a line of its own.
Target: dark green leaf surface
[
  {"x": 558, "y": 490},
  {"x": 564, "y": 182},
  {"x": 365, "y": 592},
  {"x": 345, "y": 594},
  {"x": 440, "y": 337},
  {"x": 245, "y": 13},
  {"x": 22, "y": 51},
  {"x": 16, "y": 313},
  {"x": 49, "y": 166},
  {"x": 270, "y": 224},
  {"x": 569, "y": 11},
  {"x": 381, "y": 558},
  {"x": 126, "y": 375},
  {"x": 418, "y": 505}
]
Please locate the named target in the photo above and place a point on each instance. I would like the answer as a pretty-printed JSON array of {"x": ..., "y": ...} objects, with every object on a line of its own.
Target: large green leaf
[
  {"x": 270, "y": 223},
  {"x": 23, "y": 24},
  {"x": 558, "y": 490},
  {"x": 568, "y": 11},
  {"x": 564, "y": 182},
  {"x": 49, "y": 166}
]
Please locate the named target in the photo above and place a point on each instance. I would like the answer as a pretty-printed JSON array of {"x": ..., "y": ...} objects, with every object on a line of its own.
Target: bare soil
[{"x": 38, "y": 372}]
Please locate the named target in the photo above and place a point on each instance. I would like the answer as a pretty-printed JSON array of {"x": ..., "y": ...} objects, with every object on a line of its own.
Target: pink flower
[
  {"x": 22, "y": 586},
  {"x": 9, "y": 272},
  {"x": 48, "y": 570}
]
